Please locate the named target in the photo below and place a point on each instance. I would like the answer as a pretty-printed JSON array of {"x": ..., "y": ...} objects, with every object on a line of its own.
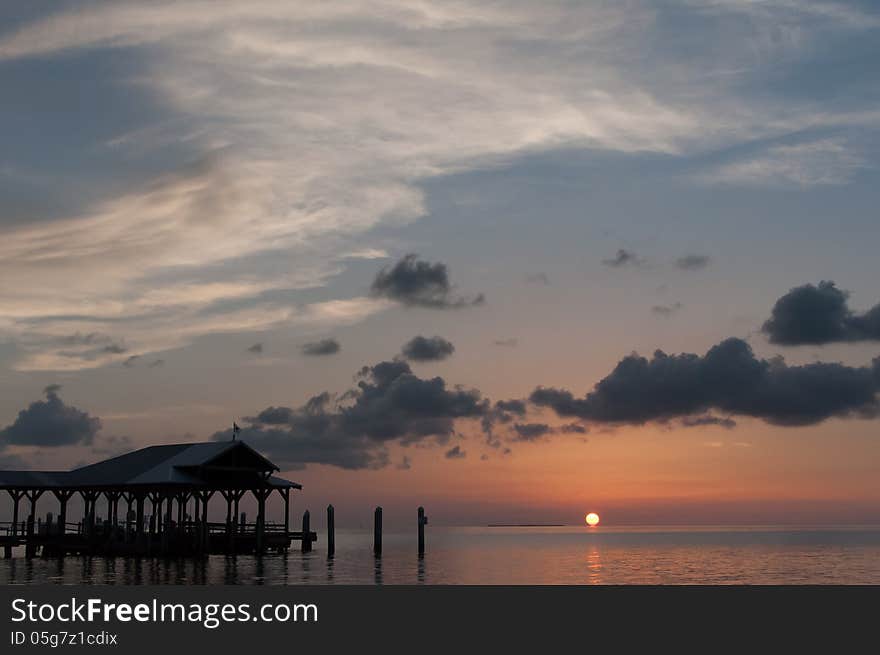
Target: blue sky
[{"x": 182, "y": 180}]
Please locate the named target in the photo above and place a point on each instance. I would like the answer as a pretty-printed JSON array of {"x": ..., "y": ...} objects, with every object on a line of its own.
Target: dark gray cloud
[
  {"x": 623, "y": 258},
  {"x": 729, "y": 379},
  {"x": 506, "y": 343},
  {"x": 573, "y": 428},
  {"x": 114, "y": 349},
  {"x": 517, "y": 407},
  {"x": 693, "y": 262},
  {"x": 530, "y": 431},
  {"x": 817, "y": 315},
  {"x": 50, "y": 422},
  {"x": 418, "y": 283},
  {"x": 708, "y": 419},
  {"x": 665, "y": 311},
  {"x": 321, "y": 348},
  {"x": 157, "y": 363},
  {"x": 131, "y": 361},
  {"x": 455, "y": 453},
  {"x": 537, "y": 431},
  {"x": 427, "y": 349},
  {"x": 256, "y": 349},
  {"x": 390, "y": 404},
  {"x": 503, "y": 412}
]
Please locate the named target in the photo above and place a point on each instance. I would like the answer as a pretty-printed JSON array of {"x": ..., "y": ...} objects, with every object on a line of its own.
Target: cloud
[
  {"x": 321, "y": 348},
  {"x": 729, "y": 379},
  {"x": 819, "y": 315},
  {"x": 506, "y": 343},
  {"x": 289, "y": 131},
  {"x": 693, "y": 262},
  {"x": 427, "y": 349},
  {"x": 418, "y": 283},
  {"x": 405, "y": 464},
  {"x": 707, "y": 419},
  {"x": 455, "y": 453},
  {"x": 665, "y": 311},
  {"x": 256, "y": 349},
  {"x": 157, "y": 363},
  {"x": 817, "y": 163},
  {"x": 131, "y": 361},
  {"x": 573, "y": 428},
  {"x": 503, "y": 412},
  {"x": 389, "y": 405},
  {"x": 51, "y": 423},
  {"x": 623, "y": 258},
  {"x": 531, "y": 431}
]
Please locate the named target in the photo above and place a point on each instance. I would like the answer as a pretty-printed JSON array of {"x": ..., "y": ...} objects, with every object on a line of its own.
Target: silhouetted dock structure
[{"x": 174, "y": 482}]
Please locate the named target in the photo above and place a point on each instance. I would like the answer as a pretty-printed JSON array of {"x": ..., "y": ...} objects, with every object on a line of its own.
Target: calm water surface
[{"x": 567, "y": 555}]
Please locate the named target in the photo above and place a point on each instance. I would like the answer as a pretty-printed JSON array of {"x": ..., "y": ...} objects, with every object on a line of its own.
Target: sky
[{"x": 512, "y": 261}]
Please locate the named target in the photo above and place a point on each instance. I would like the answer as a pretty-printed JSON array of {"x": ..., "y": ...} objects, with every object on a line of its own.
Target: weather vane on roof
[{"x": 235, "y": 430}]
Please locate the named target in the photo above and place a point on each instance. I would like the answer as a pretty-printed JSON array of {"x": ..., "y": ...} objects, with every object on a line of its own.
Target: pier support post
[
  {"x": 166, "y": 528},
  {"x": 63, "y": 496},
  {"x": 139, "y": 517},
  {"x": 261, "y": 495},
  {"x": 16, "y": 496},
  {"x": 227, "y": 496},
  {"x": 202, "y": 499},
  {"x": 331, "y": 532},
  {"x": 155, "y": 513},
  {"x": 306, "y": 533},
  {"x": 182, "y": 500},
  {"x": 377, "y": 532},
  {"x": 129, "y": 499},
  {"x": 29, "y": 547},
  {"x": 89, "y": 499},
  {"x": 112, "y": 507},
  {"x": 261, "y": 525},
  {"x": 33, "y": 495},
  {"x": 422, "y": 521}
]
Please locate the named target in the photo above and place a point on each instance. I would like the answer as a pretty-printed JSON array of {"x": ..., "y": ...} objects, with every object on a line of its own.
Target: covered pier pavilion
[{"x": 166, "y": 490}]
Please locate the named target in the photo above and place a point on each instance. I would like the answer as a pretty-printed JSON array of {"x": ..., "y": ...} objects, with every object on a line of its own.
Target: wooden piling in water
[
  {"x": 306, "y": 533},
  {"x": 377, "y": 532},
  {"x": 422, "y": 521},
  {"x": 331, "y": 532},
  {"x": 29, "y": 548}
]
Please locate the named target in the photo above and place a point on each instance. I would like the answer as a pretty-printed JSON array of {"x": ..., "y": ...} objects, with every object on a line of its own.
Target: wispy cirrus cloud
[
  {"x": 812, "y": 163},
  {"x": 308, "y": 124}
]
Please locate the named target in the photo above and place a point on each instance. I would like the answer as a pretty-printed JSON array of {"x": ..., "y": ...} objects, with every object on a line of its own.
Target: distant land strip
[{"x": 526, "y": 525}]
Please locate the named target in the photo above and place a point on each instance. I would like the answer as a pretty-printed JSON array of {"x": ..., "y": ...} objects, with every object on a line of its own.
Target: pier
[{"x": 165, "y": 491}]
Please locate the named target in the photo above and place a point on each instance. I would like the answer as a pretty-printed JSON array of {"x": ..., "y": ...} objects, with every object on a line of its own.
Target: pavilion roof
[{"x": 186, "y": 464}]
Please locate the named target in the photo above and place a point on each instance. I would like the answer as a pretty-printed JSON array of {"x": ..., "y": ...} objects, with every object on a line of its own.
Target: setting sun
[{"x": 592, "y": 519}]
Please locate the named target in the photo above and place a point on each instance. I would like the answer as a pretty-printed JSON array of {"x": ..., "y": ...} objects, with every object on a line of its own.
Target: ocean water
[{"x": 516, "y": 555}]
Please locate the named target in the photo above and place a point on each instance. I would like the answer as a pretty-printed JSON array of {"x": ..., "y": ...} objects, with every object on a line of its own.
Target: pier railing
[{"x": 155, "y": 536}]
